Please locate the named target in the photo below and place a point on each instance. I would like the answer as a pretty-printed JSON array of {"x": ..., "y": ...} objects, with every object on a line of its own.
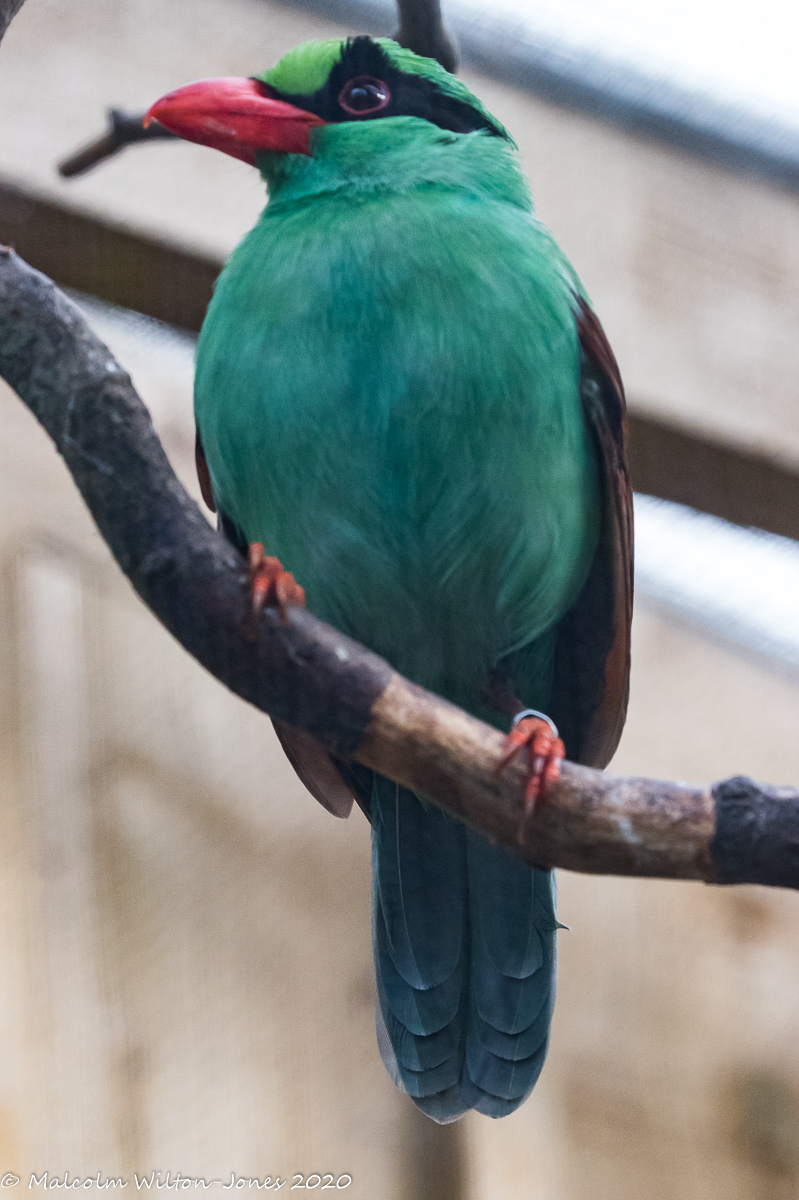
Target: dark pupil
[{"x": 364, "y": 95}]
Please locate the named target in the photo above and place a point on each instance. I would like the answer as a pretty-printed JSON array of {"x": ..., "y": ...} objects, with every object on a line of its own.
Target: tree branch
[{"x": 302, "y": 671}]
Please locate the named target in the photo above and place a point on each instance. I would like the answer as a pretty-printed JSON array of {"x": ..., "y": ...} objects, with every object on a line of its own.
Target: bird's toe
[{"x": 271, "y": 584}]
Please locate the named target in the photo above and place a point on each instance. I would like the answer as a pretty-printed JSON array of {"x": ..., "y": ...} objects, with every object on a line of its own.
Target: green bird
[{"x": 403, "y": 394}]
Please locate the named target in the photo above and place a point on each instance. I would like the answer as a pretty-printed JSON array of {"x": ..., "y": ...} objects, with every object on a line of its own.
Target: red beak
[{"x": 234, "y": 115}]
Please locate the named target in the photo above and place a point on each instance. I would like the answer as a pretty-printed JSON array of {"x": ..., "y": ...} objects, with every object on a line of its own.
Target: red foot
[
  {"x": 270, "y": 584},
  {"x": 545, "y": 752}
]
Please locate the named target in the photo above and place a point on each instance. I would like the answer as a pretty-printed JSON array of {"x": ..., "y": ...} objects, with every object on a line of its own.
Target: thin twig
[
  {"x": 303, "y": 672},
  {"x": 124, "y": 129}
]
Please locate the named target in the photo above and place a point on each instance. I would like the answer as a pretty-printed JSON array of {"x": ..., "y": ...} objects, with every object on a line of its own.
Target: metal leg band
[{"x": 533, "y": 712}]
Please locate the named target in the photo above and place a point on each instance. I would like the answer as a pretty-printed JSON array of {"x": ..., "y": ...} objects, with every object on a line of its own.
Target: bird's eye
[{"x": 363, "y": 96}]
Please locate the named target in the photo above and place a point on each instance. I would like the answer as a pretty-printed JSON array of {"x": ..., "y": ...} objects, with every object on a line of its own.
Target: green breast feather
[{"x": 387, "y": 391}]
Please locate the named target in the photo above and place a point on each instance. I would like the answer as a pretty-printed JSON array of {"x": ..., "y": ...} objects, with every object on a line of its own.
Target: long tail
[{"x": 464, "y": 948}]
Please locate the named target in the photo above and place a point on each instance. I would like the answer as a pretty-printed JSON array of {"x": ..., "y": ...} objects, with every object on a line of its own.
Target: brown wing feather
[
  {"x": 316, "y": 769},
  {"x": 203, "y": 474},
  {"x": 592, "y": 657}
]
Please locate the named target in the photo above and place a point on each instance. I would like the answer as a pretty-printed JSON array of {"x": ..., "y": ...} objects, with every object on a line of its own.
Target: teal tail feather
[{"x": 464, "y": 948}]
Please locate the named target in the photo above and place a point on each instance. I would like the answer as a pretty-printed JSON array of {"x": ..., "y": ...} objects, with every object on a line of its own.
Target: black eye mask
[{"x": 365, "y": 85}]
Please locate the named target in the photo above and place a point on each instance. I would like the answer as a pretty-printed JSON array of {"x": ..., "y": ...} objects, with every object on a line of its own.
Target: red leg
[
  {"x": 270, "y": 584},
  {"x": 545, "y": 752}
]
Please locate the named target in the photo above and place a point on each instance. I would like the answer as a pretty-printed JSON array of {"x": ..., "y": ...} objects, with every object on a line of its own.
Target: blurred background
[{"x": 185, "y": 967}]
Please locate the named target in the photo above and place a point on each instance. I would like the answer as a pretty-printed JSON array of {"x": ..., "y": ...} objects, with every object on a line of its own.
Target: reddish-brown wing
[
  {"x": 592, "y": 657},
  {"x": 316, "y": 769},
  {"x": 203, "y": 474}
]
